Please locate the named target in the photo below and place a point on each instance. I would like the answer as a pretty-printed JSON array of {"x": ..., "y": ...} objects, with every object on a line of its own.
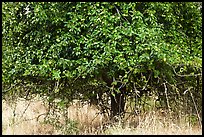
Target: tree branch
[
  {"x": 120, "y": 13},
  {"x": 187, "y": 75}
]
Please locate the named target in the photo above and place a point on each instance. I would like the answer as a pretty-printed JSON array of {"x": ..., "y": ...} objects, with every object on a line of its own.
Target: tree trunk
[
  {"x": 117, "y": 101},
  {"x": 117, "y": 104}
]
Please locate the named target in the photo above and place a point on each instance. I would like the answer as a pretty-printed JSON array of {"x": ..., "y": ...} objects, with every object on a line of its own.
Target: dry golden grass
[
  {"x": 21, "y": 118},
  {"x": 154, "y": 123}
]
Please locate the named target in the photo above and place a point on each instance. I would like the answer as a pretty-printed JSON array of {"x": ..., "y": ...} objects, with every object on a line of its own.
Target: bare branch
[
  {"x": 167, "y": 100},
  {"x": 187, "y": 75},
  {"x": 147, "y": 81},
  {"x": 120, "y": 13}
]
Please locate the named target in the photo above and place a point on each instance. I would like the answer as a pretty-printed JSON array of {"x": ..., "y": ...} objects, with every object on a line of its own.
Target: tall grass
[{"x": 28, "y": 117}]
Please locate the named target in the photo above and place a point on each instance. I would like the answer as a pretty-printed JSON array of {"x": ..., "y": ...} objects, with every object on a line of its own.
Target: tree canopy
[{"x": 131, "y": 45}]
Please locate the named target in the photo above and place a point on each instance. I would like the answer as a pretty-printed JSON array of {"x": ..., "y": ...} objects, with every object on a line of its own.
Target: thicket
[{"x": 104, "y": 51}]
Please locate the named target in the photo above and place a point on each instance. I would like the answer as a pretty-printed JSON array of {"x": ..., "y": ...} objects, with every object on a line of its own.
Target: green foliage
[{"x": 136, "y": 43}]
